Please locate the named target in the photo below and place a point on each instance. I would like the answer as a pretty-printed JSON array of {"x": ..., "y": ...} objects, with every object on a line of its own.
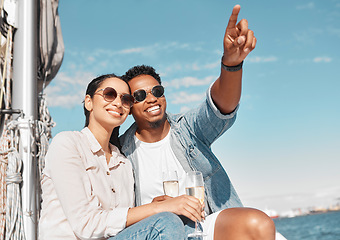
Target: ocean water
[{"x": 321, "y": 226}]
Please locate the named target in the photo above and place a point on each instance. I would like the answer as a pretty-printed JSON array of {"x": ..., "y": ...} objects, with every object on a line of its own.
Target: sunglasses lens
[
  {"x": 139, "y": 95},
  {"x": 127, "y": 100},
  {"x": 158, "y": 91},
  {"x": 110, "y": 94}
]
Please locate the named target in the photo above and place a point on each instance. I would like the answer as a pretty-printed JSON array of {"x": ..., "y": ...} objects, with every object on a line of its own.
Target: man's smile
[{"x": 153, "y": 109}]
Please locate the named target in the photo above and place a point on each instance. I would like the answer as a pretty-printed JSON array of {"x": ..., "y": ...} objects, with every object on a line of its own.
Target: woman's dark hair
[
  {"x": 114, "y": 139},
  {"x": 91, "y": 89},
  {"x": 141, "y": 70}
]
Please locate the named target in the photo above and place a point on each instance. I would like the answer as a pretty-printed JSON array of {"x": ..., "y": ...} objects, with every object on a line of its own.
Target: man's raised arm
[{"x": 238, "y": 42}]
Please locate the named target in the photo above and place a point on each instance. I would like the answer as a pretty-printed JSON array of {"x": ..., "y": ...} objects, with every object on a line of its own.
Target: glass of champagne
[
  {"x": 170, "y": 183},
  {"x": 195, "y": 187}
]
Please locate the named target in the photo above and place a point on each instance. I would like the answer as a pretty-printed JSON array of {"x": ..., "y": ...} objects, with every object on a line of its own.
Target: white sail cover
[{"x": 50, "y": 41}]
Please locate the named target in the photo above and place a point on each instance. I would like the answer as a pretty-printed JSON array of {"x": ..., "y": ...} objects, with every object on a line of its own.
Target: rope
[
  {"x": 14, "y": 228},
  {"x": 14, "y": 220},
  {"x": 4, "y": 146},
  {"x": 44, "y": 132}
]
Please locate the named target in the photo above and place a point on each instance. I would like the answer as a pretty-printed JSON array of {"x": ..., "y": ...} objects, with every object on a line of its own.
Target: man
[{"x": 160, "y": 141}]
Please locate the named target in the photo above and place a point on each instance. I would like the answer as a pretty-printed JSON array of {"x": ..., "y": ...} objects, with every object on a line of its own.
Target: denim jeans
[{"x": 161, "y": 226}]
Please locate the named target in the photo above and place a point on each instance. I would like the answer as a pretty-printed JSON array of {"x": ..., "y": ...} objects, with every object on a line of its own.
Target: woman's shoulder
[
  {"x": 67, "y": 134},
  {"x": 66, "y": 137}
]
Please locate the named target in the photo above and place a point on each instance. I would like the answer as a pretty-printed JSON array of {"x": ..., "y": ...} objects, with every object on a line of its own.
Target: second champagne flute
[{"x": 195, "y": 187}]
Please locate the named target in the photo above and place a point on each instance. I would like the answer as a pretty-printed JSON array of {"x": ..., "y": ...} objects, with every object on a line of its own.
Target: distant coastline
[{"x": 309, "y": 211}]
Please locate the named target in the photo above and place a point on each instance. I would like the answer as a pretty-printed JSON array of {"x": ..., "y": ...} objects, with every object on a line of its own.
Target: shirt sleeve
[
  {"x": 82, "y": 209},
  {"x": 216, "y": 111},
  {"x": 207, "y": 122}
]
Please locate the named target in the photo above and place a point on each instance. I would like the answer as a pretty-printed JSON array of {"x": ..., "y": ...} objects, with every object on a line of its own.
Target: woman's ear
[{"x": 88, "y": 103}]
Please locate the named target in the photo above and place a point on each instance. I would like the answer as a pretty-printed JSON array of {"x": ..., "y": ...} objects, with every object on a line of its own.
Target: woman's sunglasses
[
  {"x": 110, "y": 94},
  {"x": 140, "y": 95}
]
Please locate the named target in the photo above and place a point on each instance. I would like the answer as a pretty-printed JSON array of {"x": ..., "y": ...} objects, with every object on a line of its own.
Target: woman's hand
[{"x": 183, "y": 205}]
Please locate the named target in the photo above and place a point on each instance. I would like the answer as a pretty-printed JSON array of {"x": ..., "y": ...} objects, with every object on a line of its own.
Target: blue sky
[{"x": 283, "y": 151}]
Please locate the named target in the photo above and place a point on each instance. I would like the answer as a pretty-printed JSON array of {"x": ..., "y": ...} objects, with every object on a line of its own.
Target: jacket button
[{"x": 108, "y": 173}]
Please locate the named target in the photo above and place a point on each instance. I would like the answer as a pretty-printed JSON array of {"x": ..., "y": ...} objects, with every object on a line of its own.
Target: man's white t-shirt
[{"x": 154, "y": 159}]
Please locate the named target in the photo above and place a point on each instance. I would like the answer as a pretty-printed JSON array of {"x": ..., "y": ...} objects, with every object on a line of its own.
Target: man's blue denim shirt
[{"x": 191, "y": 136}]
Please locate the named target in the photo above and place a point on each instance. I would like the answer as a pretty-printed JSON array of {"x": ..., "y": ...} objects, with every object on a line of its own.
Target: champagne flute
[
  {"x": 170, "y": 183},
  {"x": 195, "y": 187}
]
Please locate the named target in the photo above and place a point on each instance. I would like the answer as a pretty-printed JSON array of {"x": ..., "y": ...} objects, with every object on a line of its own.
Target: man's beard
[{"x": 158, "y": 123}]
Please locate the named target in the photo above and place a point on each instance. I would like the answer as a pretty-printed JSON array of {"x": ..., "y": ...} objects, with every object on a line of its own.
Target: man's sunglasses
[
  {"x": 140, "y": 95},
  {"x": 110, "y": 94}
]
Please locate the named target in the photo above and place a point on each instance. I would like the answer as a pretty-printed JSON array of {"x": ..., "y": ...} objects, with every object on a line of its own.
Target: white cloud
[
  {"x": 157, "y": 47},
  {"x": 101, "y": 60},
  {"x": 321, "y": 196},
  {"x": 179, "y": 66},
  {"x": 195, "y": 67},
  {"x": 309, "y": 5},
  {"x": 175, "y": 45},
  {"x": 262, "y": 59},
  {"x": 322, "y": 59},
  {"x": 99, "y": 53},
  {"x": 212, "y": 65},
  {"x": 184, "y": 97},
  {"x": 68, "y": 88},
  {"x": 72, "y": 66},
  {"x": 66, "y": 101},
  {"x": 174, "y": 67},
  {"x": 131, "y": 50},
  {"x": 90, "y": 59},
  {"x": 198, "y": 67},
  {"x": 190, "y": 81},
  {"x": 304, "y": 37},
  {"x": 328, "y": 192},
  {"x": 67, "y": 91}
]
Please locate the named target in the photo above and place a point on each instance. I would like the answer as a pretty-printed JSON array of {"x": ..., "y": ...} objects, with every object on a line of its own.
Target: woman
[{"x": 87, "y": 184}]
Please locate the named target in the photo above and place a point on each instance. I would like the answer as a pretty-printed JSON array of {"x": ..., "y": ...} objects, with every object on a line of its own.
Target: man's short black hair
[{"x": 141, "y": 70}]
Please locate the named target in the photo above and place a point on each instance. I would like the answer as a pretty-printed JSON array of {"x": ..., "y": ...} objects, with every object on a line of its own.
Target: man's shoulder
[{"x": 190, "y": 113}]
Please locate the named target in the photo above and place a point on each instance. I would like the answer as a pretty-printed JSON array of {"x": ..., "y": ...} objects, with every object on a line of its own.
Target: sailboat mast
[{"x": 25, "y": 97}]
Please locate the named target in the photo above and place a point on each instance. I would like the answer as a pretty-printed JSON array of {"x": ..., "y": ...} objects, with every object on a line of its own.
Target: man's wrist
[{"x": 231, "y": 68}]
